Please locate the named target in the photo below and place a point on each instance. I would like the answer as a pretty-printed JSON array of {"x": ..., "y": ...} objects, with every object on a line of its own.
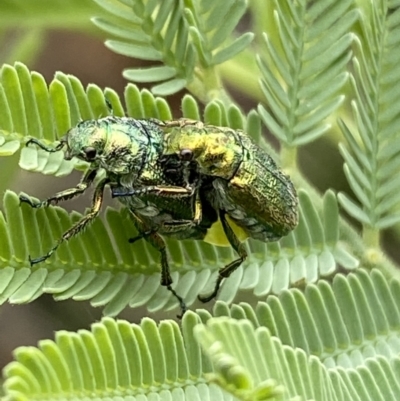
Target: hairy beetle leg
[
  {"x": 80, "y": 225},
  {"x": 157, "y": 189},
  {"x": 227, "y": 270},
  {"x": 182, "y": 304},
  {"x": 143, "y": 235},
  {"x": 154, "y": 239},
  {"x": 35, "y": 205},
  {"x": 67, "y": 194}
]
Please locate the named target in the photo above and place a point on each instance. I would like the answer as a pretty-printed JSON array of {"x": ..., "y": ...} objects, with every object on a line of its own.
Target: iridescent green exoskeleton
[
  {"x": 246, "y": 187},
  {"x": 129, "y": 150}
]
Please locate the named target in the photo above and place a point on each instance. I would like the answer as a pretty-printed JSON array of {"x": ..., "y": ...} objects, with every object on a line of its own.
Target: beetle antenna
[{"x": 44, "y": 147}]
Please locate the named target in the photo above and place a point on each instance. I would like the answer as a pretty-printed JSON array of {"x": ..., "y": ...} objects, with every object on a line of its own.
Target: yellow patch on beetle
[{"x": 216, "y": 235}]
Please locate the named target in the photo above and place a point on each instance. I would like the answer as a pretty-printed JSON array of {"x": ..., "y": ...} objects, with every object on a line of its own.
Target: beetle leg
[
  {"x": 198, "y": 209},
  {"x": 81, "y": 224},
  {"x": 139, "y": 236},
  {"x": 158, "y": 243},
  {"x": 67, "y": 194},
  {"x": 227, "y": 270},
  {"x": 179, "y": 225},
  {"x": 158, "y": 189},
  {"x": 182, "y": 122}
]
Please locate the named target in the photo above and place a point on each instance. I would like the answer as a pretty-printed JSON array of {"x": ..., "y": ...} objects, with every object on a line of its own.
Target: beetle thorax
[
  {"x": 215, "y": 154},
  {"x": 121, "y": 154}
]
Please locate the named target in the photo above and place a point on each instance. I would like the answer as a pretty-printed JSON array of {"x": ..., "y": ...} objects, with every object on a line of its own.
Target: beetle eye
[
  {"x": 186, "y": 155},
  {"x": 90, "y": 153}
]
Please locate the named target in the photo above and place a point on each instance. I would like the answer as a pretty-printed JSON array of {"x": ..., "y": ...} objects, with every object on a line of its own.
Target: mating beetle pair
[{"x": 178, "y": 178}]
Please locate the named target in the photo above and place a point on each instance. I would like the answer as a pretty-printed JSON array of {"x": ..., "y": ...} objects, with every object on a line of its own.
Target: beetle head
[
  {"x": 85, "y": 141},
  {"x": 110, "y": 143}
]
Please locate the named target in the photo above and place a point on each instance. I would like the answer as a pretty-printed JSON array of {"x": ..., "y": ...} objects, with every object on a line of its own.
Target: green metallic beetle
[
  {"x": 246, "y": 187},
  {"x": 129, "y": 151}
]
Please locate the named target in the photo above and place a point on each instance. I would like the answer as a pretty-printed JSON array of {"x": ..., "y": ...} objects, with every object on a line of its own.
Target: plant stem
[
  {"x": 371, "y": 237},
  {"x": 288, "y": 157},
  {"x": 207, "y": 86}
]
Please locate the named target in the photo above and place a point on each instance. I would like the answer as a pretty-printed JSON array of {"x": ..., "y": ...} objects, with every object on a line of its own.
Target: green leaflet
[
  {"x": 372, "y": 153},
  {"x": 312, "y": 251},
  {"x": 117, "y": 274},
  {"x": 290, "y": 346},
  {"x": 183, "y": 35},
  {"x": 303, "y": 67}
]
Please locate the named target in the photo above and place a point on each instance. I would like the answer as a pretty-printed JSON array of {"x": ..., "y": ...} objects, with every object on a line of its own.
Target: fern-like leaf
[
  {"x": 304, "y": 71},
  {"x": 188, "y": 37},
  {"x": 311, "y": 251},
  {"x": 33, "y": 109},
  {"x": 372, "y": 157},
  {"x": 116, "y": 276},
  {"x": 347, "y": 330},
  {"x": 305, "y": 255},
  {"x": 335, "y": 342},
  {"x": 358, "y": 314},
  {"x": 115, "y": 359}
]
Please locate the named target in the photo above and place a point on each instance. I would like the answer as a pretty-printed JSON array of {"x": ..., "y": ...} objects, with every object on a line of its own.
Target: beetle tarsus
[
  {"x": 35, "y": 205},
  {"x": 182, "y": 303},
  {"x": 40, "y": 259},
  {"x": 208, "y": 298}
]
